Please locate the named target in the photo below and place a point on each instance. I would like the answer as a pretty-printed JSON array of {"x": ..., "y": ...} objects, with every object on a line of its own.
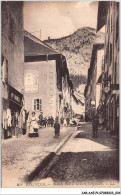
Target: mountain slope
[{"x": 77, "y": 49}]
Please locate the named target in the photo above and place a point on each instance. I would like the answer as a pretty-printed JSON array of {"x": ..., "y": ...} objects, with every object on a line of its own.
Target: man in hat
[
  {"x": 57, "y": 128},
  {"x": 95, "y": 124}
]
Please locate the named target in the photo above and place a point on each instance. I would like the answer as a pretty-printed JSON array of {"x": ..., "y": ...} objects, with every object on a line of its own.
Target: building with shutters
[
  {"x": 108, "y": 16},
  {"x": 47, "y": 86},
  {"x": 93, "y": 88}
]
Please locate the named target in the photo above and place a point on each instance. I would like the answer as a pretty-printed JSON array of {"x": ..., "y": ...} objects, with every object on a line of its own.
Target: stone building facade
[
  {"x": 12, "y": 60},
  {"x": 108, "y": 82},
  {"x": 108, "y": 16},
  {"x": 93, "y": 88}
]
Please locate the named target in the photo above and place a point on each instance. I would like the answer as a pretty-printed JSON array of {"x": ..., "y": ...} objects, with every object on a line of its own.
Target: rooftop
[{"x": 35, "y": 47}]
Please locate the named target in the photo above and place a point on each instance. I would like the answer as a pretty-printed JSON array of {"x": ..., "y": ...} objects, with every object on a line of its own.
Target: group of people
[
  {"x": 46, "y": 121},
  {"x": 35, "y": 122},
  {"x": 65, "y": 121}
]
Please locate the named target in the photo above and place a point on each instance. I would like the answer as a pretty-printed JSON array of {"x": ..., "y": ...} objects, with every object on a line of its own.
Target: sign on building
[
  {"x": 31, "y": 81},
  {"x": 92, "y": 102}
]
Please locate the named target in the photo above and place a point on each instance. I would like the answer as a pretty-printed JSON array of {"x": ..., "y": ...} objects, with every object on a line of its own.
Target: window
[
  {"x": 4, "y": 70},
  {"x": 31, "y": 81},
  {"x": 103, "y": 68},
  {"x": 107, "y": 54},
  {"x": 37, "y": 104},
  {"x": 111, "y": 24},
  {"x": 117, "y": 28},
  {"x": 110, "y": 53},
  {"x": 116, "y": 73},
  {"x": 11, "y": 30}
]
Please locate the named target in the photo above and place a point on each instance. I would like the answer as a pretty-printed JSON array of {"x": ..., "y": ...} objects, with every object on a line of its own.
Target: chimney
[{"x": 49, "y": 38}]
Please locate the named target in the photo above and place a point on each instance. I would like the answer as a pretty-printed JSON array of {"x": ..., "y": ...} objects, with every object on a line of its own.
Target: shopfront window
[
  {"x": 37, "y": 104},
  {"x": 117, "y": 28},
  {"x": 103, "y": 64}
]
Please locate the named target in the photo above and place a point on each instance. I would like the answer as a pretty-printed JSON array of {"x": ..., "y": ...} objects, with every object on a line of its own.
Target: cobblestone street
[
  {"x": 82, "y": 161},
  {"x": 21, "y": 155}
]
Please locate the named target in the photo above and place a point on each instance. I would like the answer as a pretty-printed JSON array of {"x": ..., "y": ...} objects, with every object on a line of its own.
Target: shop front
[
  {"x": 15, "y": 107},
  {"x": 12, "y": 119},
  {"x": 4, "y": 107},
  {"x": 111, "y": 114},
  {"x": 14, "y": 115}
]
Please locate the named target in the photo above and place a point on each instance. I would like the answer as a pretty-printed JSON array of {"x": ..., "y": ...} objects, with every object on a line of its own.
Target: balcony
[{"x": 114, "y": 86}]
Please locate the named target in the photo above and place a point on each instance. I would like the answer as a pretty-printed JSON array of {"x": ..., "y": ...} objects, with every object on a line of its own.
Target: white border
[{"x": 57, "y": 190}]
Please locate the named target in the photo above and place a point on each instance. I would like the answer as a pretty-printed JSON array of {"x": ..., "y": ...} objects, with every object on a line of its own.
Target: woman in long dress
[{"x": 33, "y": 123}]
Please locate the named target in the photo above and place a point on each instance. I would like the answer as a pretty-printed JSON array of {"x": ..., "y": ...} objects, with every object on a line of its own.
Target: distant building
[
  {"x": 78, "y": 104},
  {"x": 12, "y": 63},
  {"x": 93, "y": 88},
  {"x": 46, "y": 79},
  {"x": 108, "y": 16},
  {"x": 67, "y": 88},
  {"x": 88, "y": 114}
]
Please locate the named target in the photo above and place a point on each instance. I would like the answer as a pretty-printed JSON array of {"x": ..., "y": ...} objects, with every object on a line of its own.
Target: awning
[
  {"x": 102, "y": 12},
  {"x": 99, "y": 79},
  {"x": 15, "y": 96}
]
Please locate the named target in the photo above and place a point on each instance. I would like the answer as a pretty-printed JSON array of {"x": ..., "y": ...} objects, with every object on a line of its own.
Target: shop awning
[
  {"x": 102, "y": 12},
  {"x": 99, "y": 79},
  {"x": 15, "y": 96}
]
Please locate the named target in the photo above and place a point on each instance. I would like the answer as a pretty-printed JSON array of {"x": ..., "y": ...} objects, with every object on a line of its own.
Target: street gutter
[{"x": 46, "y": 165}]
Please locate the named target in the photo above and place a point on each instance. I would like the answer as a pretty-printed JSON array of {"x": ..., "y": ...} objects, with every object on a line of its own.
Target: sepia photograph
[{"x": 60, "y": 94}]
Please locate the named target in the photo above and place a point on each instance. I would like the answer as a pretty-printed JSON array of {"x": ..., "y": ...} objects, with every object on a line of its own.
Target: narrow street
[
  {"x": 82, "y": 160},
  {"x": 60, "y": 87}
]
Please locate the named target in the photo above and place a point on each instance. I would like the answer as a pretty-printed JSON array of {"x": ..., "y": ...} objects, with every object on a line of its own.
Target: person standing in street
[
  {"x": 45, "y": 122},
  {"x": 62, "y": 121},
  {"x": 48, "y": 121},
  {"x": 40, "y": 119},
  {"x": 67, "y": 120},
  {"x": 16, "y": 119},
  {"x": 57, "y": 128},
  {"x": 51, "y": 121},
  {"x": 95, "y": 124},
  {"x": 34, "y": 121}
]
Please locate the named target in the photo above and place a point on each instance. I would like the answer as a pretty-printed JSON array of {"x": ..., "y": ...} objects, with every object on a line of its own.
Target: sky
[{"x": 56, "y": 19}]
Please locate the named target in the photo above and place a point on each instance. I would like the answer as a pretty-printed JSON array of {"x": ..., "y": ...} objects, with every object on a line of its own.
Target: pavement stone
[{"x": 20, "y": 156}]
